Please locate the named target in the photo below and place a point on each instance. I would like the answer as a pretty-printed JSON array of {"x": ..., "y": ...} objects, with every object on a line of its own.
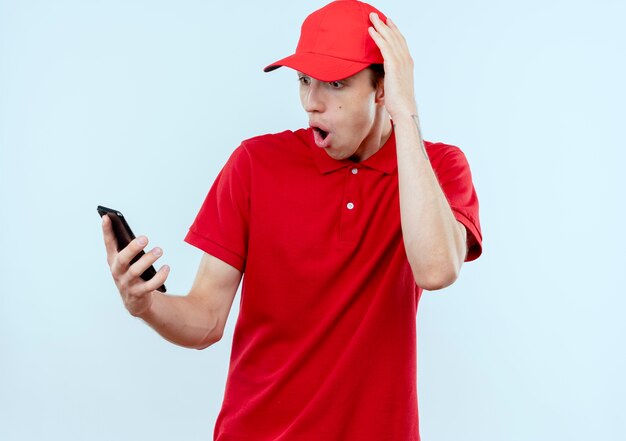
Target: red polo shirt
[{"x": 325, "y": 343}]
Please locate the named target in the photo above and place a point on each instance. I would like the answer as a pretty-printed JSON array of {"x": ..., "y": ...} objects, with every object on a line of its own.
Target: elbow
[
  {"x": 437, "y": 272},
  {"x": 438, "y": 278},
  {"x": 208, "y": 341},
  {"x": 213, "y": 336}
]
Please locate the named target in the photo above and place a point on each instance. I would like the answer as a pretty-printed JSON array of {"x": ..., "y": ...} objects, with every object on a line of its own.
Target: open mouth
[{"x": 321, "y": 132}]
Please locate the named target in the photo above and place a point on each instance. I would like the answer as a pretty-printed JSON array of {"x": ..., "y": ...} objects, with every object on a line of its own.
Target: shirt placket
[{"x": 351, "y": 206}]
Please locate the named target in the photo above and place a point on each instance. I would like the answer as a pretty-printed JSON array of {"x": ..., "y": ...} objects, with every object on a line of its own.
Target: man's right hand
[{"x": 136, "y": 293}]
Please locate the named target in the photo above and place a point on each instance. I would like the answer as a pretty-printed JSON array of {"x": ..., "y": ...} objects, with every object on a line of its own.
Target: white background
[{"x": 137, "y": 105}]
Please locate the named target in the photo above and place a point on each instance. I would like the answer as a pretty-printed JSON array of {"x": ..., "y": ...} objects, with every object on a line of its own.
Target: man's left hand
[{"x": 399, "y": 92}]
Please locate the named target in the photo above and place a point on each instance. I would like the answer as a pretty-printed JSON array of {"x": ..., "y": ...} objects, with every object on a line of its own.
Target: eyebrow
[{"x": 343, "y": 80}]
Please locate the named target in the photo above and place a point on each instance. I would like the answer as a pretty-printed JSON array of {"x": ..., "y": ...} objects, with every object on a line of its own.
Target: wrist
[
  {"x": 408, "y": 116},
  {"x": 406, "y": 120},
  {"x": 145, "y": 311}
]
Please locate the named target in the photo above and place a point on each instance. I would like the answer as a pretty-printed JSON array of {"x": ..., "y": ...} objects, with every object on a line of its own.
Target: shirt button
[
  {"x": 350, "y": 205},
  {"x": 355, "y": 171}
]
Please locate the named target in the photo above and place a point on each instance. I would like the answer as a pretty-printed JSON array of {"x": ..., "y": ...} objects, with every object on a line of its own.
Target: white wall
[{"x": 137, "y": 104}]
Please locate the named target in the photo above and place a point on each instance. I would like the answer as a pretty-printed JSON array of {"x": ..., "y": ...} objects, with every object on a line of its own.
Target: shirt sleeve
[
  {"x": 221, "y": 226},
  {"x": 455, "y": 178}
]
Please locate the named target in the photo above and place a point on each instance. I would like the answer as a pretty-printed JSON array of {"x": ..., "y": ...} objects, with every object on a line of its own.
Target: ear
[{"x": 379, "y": 98}]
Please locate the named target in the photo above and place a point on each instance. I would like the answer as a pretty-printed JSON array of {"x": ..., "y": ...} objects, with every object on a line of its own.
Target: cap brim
[{"x": 320, "y": 67}]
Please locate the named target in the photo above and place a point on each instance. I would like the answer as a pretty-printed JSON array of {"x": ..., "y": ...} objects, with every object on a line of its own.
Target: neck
[
  {"x": 386, "y": 130},
  {"x": 381, "y": 131}
]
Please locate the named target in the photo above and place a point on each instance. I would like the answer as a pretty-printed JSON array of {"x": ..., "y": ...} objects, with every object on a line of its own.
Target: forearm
[
  {"x": 431, "y": 234},
  {"x": 182, "y": 320}
]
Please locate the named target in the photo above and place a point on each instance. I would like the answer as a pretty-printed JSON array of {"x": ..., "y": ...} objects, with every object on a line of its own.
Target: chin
[
  {"x": 334, "y": 155},
  {"x": 339, "y": 155}
]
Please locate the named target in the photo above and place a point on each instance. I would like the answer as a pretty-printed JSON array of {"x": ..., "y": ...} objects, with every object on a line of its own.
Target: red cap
[{"x": 334, "y": 42}]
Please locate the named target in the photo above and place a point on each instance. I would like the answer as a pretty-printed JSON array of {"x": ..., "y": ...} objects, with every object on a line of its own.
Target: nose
[{"x": 312, "y": 99}]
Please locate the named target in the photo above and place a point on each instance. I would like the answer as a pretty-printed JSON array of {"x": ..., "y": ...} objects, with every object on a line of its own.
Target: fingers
[
  {"x": 378, "y": 39},
  {"x": 122, "y": 258},
  {"x": 110, "y": 243},
  {"x": 389, "y": 32},
  {"x": 130, "y": 251},
  {"x": 138, "y": 268},
  {"x": 159, "y": 279},
  {"x": 130, "y": 281},
  {"x": 379, "y": 25},
  {"x": 125, "y": 274},
  {"x": 136, "y": 293}
]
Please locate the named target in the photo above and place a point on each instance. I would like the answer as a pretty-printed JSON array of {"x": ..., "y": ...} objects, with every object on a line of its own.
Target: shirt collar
[{"x": 384, "y": 160}]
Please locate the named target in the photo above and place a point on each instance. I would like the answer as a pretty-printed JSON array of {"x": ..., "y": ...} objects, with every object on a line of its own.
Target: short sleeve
[
  {"x": 221, "y": 226},
  {"x": 455, "y": 178}
]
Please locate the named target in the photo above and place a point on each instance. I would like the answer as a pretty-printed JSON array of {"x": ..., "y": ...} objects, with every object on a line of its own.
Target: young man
[{"x": 337, "y": 228}]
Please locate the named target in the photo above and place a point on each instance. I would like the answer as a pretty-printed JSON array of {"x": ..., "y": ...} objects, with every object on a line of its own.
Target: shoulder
[
  {"x": 278, "y": 150},
  {"x": 287, "y": 139},
  {"x": 444, "y": 156},
  {"x": 438, "y": 150}
]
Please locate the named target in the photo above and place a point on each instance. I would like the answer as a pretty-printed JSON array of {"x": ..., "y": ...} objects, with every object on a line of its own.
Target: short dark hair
[{"x": 378, "y": 73}]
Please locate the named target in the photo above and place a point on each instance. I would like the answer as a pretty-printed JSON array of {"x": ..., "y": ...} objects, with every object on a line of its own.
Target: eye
[
  {"x": 304, "y": 80},
  {"x": 335, "y": 84}
]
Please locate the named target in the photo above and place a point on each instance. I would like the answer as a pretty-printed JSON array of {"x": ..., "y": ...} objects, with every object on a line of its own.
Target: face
[{"x": 347, "y": 116}]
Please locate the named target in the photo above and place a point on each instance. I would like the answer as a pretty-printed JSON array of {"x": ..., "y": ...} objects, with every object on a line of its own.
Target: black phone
[{"x": 124, "y": 235}]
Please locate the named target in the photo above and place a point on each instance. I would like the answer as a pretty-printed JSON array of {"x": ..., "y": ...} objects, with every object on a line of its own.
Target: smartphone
[{"x": 124, "y": 236}]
